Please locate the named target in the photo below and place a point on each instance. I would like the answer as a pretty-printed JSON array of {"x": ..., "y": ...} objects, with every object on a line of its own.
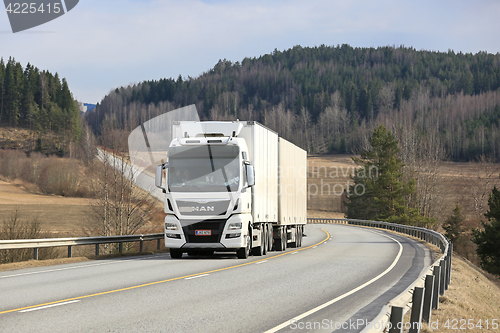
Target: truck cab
[{"x": 208, "y": 199}]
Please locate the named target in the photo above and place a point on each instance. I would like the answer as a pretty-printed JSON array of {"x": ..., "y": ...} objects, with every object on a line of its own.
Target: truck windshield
[{"x": 203, "y": 169}]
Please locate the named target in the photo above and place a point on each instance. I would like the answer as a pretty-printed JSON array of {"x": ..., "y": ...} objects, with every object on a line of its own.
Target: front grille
[
  {"x": 213, "y": 208},
  {"x": 216, "y": 226}
]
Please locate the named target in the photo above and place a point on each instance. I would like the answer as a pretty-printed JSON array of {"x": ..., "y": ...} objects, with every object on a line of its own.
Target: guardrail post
[
  {"x": 429, "y": 289},
  {"x": 35, "y": 253},
  {"x": 70, "y": 251},
  {"x": 450, "y": 255},
  {"x": 447, "y": 275},
  {"x": 141, "y": 246},
  {"x": 442, "y": 279},
  {"x": 435, "y": 295},
  {"x": 120, "y": 247},
  {"x": 396, "y": 320},
  {"x": 97, "y": 249},
  {"x": 416, "y": 309},
  {"x": 158, "y": 244}
]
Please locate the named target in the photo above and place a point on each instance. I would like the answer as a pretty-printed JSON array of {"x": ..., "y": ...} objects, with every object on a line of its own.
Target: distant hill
[{"x": 329, "y": 98}]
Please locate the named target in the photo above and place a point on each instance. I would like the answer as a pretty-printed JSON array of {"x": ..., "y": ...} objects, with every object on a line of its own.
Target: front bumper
[{"x": 184, "y": 237}]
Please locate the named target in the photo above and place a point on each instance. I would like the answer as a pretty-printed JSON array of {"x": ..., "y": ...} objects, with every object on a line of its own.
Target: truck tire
[
  {"x": 175, "y": 253},
  {"x": 260, "y": 250},
  {"x": 280, "y": 243},
  {"x": 283, "y": 239},
  {"x": 244, "y": 252},
  {"x": 270, "y": 238},
  {"x": 264, "y": 239},
  {"x": 297, "y": 238}
]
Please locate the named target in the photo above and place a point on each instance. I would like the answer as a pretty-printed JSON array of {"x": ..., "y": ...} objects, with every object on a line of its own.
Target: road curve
[{"x": 342, "y": 275}]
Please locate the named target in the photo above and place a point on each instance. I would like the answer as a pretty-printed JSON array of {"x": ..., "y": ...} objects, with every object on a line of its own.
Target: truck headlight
[
  {"x": 171, "y": 226},
  {"x": 235, "y": 226},
  {"x": 233, "y": 235}
]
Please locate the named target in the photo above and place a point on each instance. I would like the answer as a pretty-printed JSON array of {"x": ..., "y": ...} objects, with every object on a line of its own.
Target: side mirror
[
  {"x": 250, "y": 174},
  {"x": 159, "y": 175}
]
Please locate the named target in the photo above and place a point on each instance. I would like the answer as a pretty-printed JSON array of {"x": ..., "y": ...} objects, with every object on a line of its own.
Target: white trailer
[{"x": 232, "y": 186}]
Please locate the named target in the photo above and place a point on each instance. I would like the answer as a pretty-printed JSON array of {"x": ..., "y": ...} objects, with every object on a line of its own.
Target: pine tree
[
  {"x": 454, "y": 226},
  {"x": 488, "y": 240},
  {"x": 380, "y": 176},
  {"x": 379, "y": 191}
]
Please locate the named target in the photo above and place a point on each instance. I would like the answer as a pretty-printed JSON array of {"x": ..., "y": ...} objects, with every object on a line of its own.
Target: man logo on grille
[
  {"x": 26, "y": 14},
  {"x": 204, "y": 209}
]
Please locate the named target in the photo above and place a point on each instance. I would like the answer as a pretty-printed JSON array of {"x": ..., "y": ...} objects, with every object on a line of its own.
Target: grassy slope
[
  {"x": 56, "y": 214},
  {"x": 472, "y": 295}
]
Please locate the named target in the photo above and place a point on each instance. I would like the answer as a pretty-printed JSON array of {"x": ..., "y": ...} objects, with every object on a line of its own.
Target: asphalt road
[{"x": 345, "y": 272}]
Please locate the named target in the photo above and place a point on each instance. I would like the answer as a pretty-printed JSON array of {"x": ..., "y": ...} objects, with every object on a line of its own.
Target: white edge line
[
  {"x": 50, "y": 306},
  {"x": 322, "y": 306},
  {"x": 261, "y": 262},
  {"x": 195, "y": 277}
]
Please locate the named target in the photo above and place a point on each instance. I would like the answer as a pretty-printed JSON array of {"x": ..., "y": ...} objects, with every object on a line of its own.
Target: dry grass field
[
  {"x": 472, "y": 300},
  {"x": 328, "y": 176},
  {"x": 58, "y": 215}
]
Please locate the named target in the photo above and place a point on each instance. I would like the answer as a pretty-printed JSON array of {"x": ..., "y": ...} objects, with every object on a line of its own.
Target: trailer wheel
[
  {"x": 280, "y": 244},
  {"x": 283, "y": 239},
  {"x": 264, "y": 239},
  {"x": 244, "y": 252},
  {"x": 297, "y": 237},
  {"x": 270, "y": 238},
  {"x": 175, "y": 253}
]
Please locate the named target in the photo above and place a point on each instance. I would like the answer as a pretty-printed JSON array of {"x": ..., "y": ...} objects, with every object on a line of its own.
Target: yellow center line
[{"x": 164, "y": 281}]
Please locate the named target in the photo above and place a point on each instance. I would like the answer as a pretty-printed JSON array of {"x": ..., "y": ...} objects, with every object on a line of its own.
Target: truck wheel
[
  {"x": 297, "y": 241},
  {"x": 269, "y": 238},
  {"x": 175, "y": 253},
  {"x": 258, "y": 251},
  {"x": 283, "y": 239},
  {"x": 264, "y": 239},
  {"x": 280, "y": 244},
  {"x": 244, "y": 252},
  {"x": 300, "y": 236}
]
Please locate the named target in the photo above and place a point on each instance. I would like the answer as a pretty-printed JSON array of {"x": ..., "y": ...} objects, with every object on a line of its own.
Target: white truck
[{"x": 232, "y": 186}]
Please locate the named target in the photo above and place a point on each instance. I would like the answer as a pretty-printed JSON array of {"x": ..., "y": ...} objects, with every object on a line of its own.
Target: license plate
[{"x": 203, "y": 232}]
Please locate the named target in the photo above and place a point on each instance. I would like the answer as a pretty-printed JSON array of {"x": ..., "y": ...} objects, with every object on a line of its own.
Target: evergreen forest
[
  {"x": 329, "y": 99},
  {"x": 37, "y": 100}
]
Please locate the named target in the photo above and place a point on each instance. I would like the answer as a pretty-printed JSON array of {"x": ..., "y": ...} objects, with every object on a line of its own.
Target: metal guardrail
[
  {"x": 422, "y": 295},
  {"x": 35, "y": 244}
]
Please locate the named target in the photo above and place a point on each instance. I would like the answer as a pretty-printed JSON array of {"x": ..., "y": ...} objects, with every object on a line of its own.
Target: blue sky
[{"x": 104, "y": 44}]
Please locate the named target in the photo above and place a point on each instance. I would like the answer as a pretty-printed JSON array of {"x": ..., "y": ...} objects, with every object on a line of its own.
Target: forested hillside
[
  {"x": 37, "y": 100},
  {"x": 329, "y": 99}
]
